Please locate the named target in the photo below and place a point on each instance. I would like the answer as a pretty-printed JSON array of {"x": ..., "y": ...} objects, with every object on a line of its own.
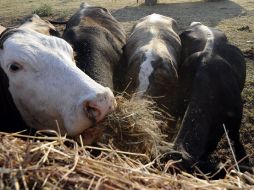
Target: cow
[
  {"x": 97, "y": 39},
  {"x": 35, "y": 23},
  {"x": 211, "y": 78},
  {"x": 150, "y": 61},
  {"x": 42, "y": 87}
]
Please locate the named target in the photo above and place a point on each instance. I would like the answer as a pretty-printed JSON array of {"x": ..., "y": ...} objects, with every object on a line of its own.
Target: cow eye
[{"x": 14, "y": 67}]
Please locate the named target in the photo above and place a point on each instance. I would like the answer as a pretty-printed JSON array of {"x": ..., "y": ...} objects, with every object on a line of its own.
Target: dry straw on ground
[
  {"x": 42, "y": 162},
  {"x": 48, "y": 163}
]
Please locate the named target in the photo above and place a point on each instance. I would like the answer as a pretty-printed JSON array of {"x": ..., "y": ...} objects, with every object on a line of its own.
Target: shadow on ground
[{"x": 209, "y": 13}]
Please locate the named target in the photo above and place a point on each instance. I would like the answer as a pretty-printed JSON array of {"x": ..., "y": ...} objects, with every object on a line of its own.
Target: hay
[
  {"x": 137, "y": 127},
  {"x": 48, "y": 163},
  {"x": 125, "y": 159}
]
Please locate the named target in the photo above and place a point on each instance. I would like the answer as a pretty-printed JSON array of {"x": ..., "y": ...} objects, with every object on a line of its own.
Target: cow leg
[
  {"x": 233, "y": 124},
  {"x": 202, "y": 111},
  {"x": 197, "y": 139},
  {"x": 214, "y": 138},
  {"x": 194, "y": 132},
  {"x": 240, "y": 152}
]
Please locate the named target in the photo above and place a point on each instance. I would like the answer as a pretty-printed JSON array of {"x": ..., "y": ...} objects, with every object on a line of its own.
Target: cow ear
[
  {"x": 83, "y": 5},
  {"x": 105, "y": 10},
  {"x": 5, "y": 34},
  {"x": 134, "y": 26},
  {"x": 175, "y": 26},
  {"x": 3, "y": 37},
  {"x": 54, "y": 32},
  {"x": 123, "y": 48}
]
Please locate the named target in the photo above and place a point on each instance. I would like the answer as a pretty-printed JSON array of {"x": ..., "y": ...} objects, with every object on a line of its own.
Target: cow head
[
  {"x": 153, "y": 50},
  {"x": 46, "y": 85},
  {"x": 156, "y": 20}
]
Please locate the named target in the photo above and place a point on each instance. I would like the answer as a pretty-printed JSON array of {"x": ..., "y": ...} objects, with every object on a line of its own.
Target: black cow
[
  {"x": 97, "y": 38},
  {"x": 211, "y": 79}
]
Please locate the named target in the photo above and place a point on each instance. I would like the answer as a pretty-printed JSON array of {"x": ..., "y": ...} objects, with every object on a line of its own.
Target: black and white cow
[
  {"x": 150, "y": 60},
  {"x": 41, "y": 84},
  {"x": 211, "y": 79},
  {"x": 97, "y": 39}
]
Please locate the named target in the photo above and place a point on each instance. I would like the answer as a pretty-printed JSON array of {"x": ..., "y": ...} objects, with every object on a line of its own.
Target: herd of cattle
[{"x": 196, "y": 76}]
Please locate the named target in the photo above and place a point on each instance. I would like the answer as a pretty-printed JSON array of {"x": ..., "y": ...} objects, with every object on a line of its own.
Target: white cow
[{"x": 40, "y": 82}]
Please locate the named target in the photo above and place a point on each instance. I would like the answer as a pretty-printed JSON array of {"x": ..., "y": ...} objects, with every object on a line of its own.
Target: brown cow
[
  {"x": 37, "y": 24},
  {"x": 150, "y": 60},
  {"x": 97, "y": 39}
]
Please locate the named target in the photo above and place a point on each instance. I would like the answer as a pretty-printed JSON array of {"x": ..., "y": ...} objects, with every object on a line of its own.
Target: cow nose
[{"x": 97, "y": 108}]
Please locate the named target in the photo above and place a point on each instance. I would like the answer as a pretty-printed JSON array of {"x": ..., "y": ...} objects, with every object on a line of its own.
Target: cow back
[
  {"x": 235, "y": 58},
  {"x": 194, "y": 39}
]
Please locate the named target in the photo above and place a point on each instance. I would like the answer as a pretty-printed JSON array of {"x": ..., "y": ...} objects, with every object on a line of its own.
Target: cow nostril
[
  {"x": 98, "y": 107},
  {"x": 93, "y": 113}
]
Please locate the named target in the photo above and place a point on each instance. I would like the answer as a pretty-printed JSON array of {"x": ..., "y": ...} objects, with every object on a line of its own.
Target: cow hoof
[
  {"x": 208, "y": 170},
  {"x": 202, "y": 169},
  {"x": 177, "y": 162}
]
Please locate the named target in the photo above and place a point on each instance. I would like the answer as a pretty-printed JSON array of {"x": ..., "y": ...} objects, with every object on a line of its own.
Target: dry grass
[
  {"x": 136, "y": 127},
  {"x": 48, "y": 163},
  {"x": 126, "y": 158}
]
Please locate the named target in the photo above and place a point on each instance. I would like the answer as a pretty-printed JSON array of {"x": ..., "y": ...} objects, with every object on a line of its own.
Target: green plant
[{"x": 43, "y": 10}]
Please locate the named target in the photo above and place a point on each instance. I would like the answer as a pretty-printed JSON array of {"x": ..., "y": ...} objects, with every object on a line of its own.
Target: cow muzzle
[{"x": 97, "y": 108}]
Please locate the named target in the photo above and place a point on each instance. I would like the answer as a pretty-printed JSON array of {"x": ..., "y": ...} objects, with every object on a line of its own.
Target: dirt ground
[{"x": 235, "y": 18}]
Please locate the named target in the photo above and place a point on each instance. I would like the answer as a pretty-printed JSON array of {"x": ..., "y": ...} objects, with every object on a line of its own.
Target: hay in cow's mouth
[
  {"x": 135, "y": 126},
  {"x": 90, "y": 135}
]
